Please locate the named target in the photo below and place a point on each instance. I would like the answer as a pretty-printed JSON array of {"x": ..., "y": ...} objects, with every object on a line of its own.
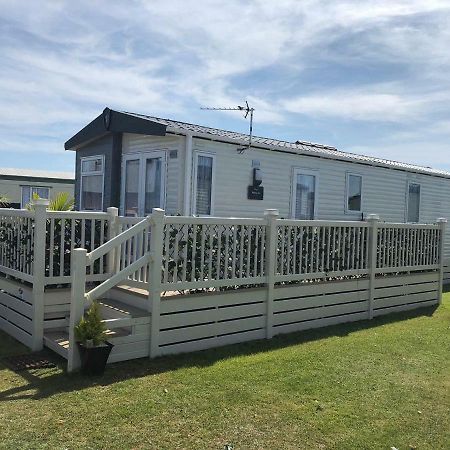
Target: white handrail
[
  {"x": 11, "y": 212},
  {"x": 116, "y": 241},
  {"x": 117, "y": 278}
]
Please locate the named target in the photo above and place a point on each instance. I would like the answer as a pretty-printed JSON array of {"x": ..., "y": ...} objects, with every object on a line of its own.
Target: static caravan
[
  {"x": 19, "y": 185},
  {"x": 137, "y": 162}
]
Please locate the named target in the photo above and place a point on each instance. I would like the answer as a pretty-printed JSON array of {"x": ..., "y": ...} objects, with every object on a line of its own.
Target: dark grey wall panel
[{"x": 111, "y": 147}]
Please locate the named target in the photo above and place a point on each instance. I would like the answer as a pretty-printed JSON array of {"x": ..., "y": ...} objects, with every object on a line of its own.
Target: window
[
  {"x": 92, "y": 170},
  {"x": 354, "y": 193},
  {"x": 204, "y": 184},
  {"x": 28, "y": 192},
  {"x": 304, "y": 191},
  {"x": 413, "y": 206}
]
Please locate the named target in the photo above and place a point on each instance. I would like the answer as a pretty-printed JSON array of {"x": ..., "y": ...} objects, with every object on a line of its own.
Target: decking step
[
  {"x": 116, "y": 308},
  {"x": 58, "y": 340},
  {"x": 139, "y": 292}
]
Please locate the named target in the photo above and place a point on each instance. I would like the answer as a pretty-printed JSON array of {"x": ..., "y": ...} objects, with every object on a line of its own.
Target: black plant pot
[{"x": 93, "y": 359}]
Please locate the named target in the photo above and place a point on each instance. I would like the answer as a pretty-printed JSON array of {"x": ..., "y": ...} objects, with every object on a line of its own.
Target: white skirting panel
[
  {"x": 16, "y": 317},
  {"x": 196, "y": 322}
]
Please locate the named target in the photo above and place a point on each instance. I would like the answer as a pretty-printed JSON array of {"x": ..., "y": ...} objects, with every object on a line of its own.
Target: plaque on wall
[{"x": 255, "y": 193}]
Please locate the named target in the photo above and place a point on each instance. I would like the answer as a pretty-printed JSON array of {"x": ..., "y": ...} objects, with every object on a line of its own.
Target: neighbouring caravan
[
  {"x": 137, "y": 162},
  {"x": 18, "y": 186}
]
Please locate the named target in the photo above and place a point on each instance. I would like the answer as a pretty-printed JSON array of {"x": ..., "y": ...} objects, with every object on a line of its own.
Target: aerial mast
[{"x": 248, "y": 111}]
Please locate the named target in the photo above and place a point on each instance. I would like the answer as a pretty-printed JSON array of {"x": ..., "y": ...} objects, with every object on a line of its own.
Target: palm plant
[
  {"x": 4, "y": 201},
  {"x": 62, "y": 201}
]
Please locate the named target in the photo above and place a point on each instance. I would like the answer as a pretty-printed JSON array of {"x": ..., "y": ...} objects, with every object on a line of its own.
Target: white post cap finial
[
  {"x": 373, "y": 217},
  {"x": 271, "y": 212},
  {"x": 41, "y": 202},
  {"x": 441, "y": 220}
]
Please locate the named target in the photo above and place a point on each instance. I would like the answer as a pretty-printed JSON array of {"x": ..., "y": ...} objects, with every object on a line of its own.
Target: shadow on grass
[{"x": 45, "y": 383}]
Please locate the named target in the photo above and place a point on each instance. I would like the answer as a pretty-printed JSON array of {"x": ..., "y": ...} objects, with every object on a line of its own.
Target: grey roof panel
[{"x": 300, "y": 147}]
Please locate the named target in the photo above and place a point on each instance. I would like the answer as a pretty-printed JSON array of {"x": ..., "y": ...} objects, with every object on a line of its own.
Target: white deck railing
[
  {"x": 171, "y": 253},
  {"x": 54, "y": 235},
  {"x": 212, "y": 252},
  {"x": 17, "y": 243}
]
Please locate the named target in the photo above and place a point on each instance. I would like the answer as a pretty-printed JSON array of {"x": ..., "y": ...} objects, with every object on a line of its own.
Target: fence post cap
[
  {"x": 79, "y": 250},
  {"x": 271, "y": 212},
  {"x": 373, "y": 217},
  {"x": 112, "y": 211},
  {"x": 41, "y": 202},
  {"x": 157, "y": 214},
  {"x": 441, "y": 220}
]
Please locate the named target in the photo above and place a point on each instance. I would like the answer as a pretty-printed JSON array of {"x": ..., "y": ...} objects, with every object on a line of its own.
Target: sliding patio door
[{"x": 142, "y": 183}]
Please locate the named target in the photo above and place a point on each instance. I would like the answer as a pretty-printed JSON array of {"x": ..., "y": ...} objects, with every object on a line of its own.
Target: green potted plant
[{"x": 91, "y": 339}]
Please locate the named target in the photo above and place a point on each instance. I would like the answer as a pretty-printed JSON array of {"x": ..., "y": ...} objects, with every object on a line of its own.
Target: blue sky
[{"x": 366, "y": 77}]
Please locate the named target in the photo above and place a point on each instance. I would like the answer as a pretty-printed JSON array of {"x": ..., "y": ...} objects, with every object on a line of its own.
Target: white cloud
[
  {"x": 354, "y": 106},
  {"x": 63, "y": 61},
  {"x": 374, "y": 103},
  {"x": 421, "y": 152}
]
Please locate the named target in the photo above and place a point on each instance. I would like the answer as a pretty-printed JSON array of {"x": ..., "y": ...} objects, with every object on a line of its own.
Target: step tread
[
  {"x": 61, "y": 337},
  {"x": 143, "y": 293},
  {"x": 123, "y": 308}
]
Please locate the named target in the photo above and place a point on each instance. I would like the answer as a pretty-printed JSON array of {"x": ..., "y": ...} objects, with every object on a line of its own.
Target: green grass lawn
[{"x": 365, "y": 385}]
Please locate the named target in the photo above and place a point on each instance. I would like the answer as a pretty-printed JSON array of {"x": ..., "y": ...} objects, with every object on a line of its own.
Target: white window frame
[
  {"x": 408, "y": 183},
  {"x": 30, "y": 189},
  {"x": 92, "y": 173},
  {"x": 142, "y": 157},
  {"x": 300, "y": 171},
  {"x": 194, "y": 184},
  {"x": 347, "y": 188}
]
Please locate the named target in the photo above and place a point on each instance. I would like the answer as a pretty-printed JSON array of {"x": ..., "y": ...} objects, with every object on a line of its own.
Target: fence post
[
  {"x": 113, "y": 231},
  {"x": 442, "y": 222},
  {"x": 77, "y": 297},
  {"x": 154, "y": 288},
  {"x": 373, "y": 220},
  {"x": 270, "y": 265},
  {"x": 40, "y": 238}
]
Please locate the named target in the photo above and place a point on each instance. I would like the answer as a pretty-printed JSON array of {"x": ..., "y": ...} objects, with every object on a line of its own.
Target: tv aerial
[{"x": 248, "y": 111}]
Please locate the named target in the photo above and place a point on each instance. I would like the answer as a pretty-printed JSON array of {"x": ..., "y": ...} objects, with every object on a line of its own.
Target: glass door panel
[
  {"x": 131, "y": 197},
  {"x": 153, "y": 182}
]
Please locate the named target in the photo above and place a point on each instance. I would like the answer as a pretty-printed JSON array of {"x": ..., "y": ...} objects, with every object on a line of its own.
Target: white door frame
[{"x": 142, "y": 158}]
